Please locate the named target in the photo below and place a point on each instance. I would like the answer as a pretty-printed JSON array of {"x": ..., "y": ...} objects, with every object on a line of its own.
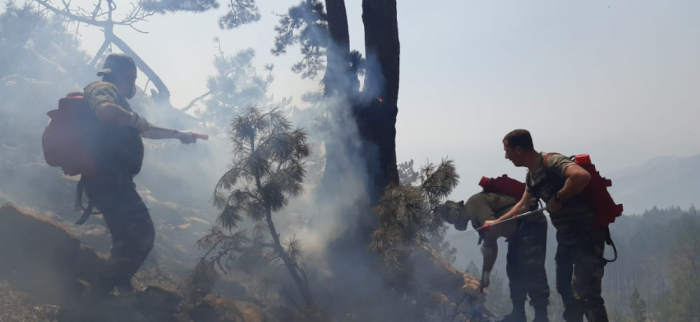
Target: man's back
[{"x": 482, "y": 205}]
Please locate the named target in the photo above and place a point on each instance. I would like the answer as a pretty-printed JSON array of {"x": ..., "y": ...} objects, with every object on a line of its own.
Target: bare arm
[
  {"x": 113, "y": 114},
  {"x": 158, "y": 133},
  {"x": 577, "y": 178}
]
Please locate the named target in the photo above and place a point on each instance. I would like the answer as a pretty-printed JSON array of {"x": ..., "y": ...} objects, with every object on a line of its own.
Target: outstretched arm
[
  {"x": 113, "y": 114},
  {"x": 159, "y": 133}
]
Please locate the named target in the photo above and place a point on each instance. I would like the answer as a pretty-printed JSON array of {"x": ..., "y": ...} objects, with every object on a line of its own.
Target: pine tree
[
  {"x": 638, "y": 307},
  {"x": 680, "y": 302},
  {"x": 266, "y": 170},
  {"x": 472, "y": 269}
]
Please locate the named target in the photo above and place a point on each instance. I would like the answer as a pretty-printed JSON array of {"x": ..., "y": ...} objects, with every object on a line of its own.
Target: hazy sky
[{"x": 617, "y": 79}]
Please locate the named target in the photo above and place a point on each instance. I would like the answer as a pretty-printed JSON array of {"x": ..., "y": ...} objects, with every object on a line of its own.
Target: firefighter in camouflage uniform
[{"x": 557, "y": 180}]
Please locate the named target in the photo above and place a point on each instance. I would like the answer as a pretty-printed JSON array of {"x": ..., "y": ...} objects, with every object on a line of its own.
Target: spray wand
[{"x": 532, "y": 212}]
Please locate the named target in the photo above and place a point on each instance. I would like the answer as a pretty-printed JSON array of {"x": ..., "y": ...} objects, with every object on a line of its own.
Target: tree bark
[
  {"x": 292, "y": 266},
  {"x": 374, "y": 119},
  {"x": 338, "y": 79},
  {"x": 377, "y": 119},
  {"x": 382, "y": 44}
]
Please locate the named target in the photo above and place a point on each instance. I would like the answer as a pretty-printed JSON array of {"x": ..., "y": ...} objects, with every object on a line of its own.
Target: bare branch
[
  {"x": 195, "y": 100},
  {"x": 69, "y": 15}
]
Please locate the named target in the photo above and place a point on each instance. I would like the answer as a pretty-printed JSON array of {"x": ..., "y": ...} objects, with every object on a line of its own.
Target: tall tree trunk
[
  {"x": 377, "y": 122},
  {"x": 382, "y": 45},
  {"x": 338, "y": 79},
  {"x": 336, "y": 75}
]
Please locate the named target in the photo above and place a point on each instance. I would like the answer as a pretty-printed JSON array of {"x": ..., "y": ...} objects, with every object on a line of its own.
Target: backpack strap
[
  {"x": 549, "y": 174},
  {"x": 87, "y": 211},
  {"x": 609, "y": 241}
]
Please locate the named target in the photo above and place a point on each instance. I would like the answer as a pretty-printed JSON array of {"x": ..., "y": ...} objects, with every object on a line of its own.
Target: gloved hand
[{"x": 185, "y": 137}]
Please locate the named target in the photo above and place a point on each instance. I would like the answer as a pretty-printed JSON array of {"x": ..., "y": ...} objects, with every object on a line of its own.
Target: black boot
[
  {"x": 517, "y": 315},
  {"x": 541, "y": 314}
]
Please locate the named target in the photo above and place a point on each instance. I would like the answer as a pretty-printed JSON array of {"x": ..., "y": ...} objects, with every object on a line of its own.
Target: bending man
[{"x": 527, "y": 247}]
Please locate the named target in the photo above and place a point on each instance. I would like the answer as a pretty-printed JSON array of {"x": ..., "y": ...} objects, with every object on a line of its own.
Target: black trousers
[
  {"x": 580, "y": 268},
  {"x": 131, "y": 228}
]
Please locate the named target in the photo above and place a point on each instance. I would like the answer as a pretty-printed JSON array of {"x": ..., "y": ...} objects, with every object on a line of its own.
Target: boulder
[{"x": 40, "y": 256}]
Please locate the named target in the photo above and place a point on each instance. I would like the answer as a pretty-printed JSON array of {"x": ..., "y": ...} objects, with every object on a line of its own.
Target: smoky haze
[
  {"x": 42, "y": 61},
  {"x": 447, "y": 108}
]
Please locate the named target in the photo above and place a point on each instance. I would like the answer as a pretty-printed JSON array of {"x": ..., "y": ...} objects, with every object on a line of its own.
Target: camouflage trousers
[
  {"x": 580, "y": 268},
  {"x": 131, "y": 228},
  {"x": 525, "y": 263}
]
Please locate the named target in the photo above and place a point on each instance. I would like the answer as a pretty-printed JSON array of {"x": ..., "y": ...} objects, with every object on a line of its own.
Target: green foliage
[
  {"x": 267, "y": 169},
  {"x": 239, "y": 13},
  {"x": 162, "y": 6},
  {"x": 200, "y": 282},
  {"x": 472, "y": 269},
  {"x": 406, "y": 214},
  {"x": 680, "y": 302},
  {"x": 407, "y": 175},
  {"x": 657, "y": 255},
  {"x": 638, "y": 307},
  {"x": 305, "y": 24},
  {"x": 40, "y": 61},
  {"x": 235, "y": 85},
  {"x": 436, "y": 240},
  {"x": 37, "y": 46}
]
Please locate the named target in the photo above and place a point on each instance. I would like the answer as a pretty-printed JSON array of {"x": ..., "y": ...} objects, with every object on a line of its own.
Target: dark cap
[{"x": 115, "y": 63}]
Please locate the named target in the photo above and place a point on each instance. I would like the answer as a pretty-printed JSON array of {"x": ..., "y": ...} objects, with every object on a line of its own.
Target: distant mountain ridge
[{"x": 662, "y": 182}]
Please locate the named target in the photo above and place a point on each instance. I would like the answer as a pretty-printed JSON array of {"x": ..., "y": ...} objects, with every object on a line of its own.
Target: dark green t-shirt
[{"x": 118, "y": 150}]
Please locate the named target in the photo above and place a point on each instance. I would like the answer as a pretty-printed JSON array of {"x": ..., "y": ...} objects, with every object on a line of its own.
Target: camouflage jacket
[{"x": 119, "y": 150}]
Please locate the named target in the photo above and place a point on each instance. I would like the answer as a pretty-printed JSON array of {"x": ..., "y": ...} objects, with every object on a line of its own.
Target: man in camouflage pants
[
  {"x": 557, "y": 180},
  {"x": 118, "y": 151},
  {"x": 527, "y": 248}
]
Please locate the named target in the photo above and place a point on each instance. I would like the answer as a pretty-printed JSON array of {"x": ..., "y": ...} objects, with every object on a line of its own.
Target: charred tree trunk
[
  {"x": 373, "y": 111},
  {"x": 338, "y": 79},
  {"x": 376, "y": 119},
  {"x": 336, "y": 82}
]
